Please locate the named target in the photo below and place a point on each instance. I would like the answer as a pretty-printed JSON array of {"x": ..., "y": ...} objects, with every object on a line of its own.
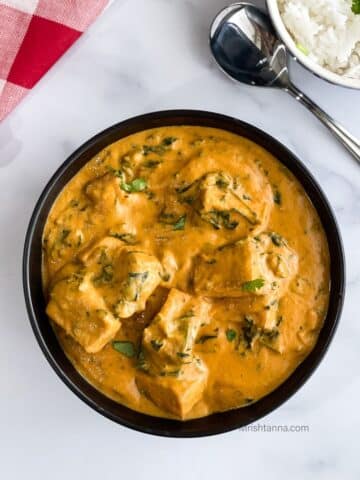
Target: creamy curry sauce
[{"x": 186, "y": 271}]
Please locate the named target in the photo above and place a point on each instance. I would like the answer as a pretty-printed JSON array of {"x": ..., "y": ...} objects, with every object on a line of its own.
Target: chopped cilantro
[
  {"x": 107, "y": 271},
  {"x": 169, "y": 141},
  {"x": 151, "y": 163},
  {"x": 230, "y": 334},
  {"x": 302, "y": 48},
  {"x": 159, "y": 149},
  {"x": 253, "y": 285},
  {"x": 127, "y": 238},
  {"x": 249, "y": 331},
  {"x": 277, "y": 197},
  {"x": 124, "y": 347},
  {"x": 183, "y": 188},
  {"x": 221, "y": 182},
  {"x": 165, "y": 277},
  {"x": 182, "y": 354},
  {"x": 63, "y": 235},
  {"x": 356, "y": 7},
  {"x": 142, "y": 276},
  {"x": 180, "y": 223},
  {"x": 276, "y": 239},
  {"x": 205, "y": 338},
  {"x": 137, "y": 185},
  {"x": 220, "y": 218}
]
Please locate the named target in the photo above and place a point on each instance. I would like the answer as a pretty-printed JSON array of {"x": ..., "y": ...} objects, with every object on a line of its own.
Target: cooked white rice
[{"x": 327, "y": 31}]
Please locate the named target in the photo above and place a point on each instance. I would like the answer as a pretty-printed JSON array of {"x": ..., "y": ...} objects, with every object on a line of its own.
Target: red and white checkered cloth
[{"x": 33, "y": 35}]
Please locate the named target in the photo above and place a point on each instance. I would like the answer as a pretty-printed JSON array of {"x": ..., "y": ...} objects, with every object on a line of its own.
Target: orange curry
[{"x": 186, "y": 271}]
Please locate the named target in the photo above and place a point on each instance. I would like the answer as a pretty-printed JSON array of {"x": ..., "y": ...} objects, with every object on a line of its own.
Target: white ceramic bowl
[{"x": 303, "y": 59}]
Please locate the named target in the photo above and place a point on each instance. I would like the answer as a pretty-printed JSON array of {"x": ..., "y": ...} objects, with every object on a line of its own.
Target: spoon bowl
[{"x": 244, "y": 45}]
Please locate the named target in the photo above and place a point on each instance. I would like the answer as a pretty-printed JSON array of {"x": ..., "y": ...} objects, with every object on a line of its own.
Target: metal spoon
[{"x": 246, "y": 47}]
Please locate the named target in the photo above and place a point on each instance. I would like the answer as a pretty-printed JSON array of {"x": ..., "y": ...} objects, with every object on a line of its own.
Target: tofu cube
[
  {"x": 254, "y": 266},
  {"x": 226, "y": 202},
  {"x": 170, "y": 337},
  {"x": 80, "y": 310},
  {"x": 177, "y": 392},
  {"x": 171, "y": 376},
  {"x": 126, "y": 277}
]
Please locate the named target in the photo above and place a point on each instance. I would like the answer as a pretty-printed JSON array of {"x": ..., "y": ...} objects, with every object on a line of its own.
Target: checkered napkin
[{"x": 33, "y": 35}]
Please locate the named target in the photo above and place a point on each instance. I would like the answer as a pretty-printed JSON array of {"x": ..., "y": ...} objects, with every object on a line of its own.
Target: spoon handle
[{"x": 348, "y": 140}]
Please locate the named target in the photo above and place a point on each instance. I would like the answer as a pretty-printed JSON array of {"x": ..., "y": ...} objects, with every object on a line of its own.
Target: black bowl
[{"x": 35, "y": 302}]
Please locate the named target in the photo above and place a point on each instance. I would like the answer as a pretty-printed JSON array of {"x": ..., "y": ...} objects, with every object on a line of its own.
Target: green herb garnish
[
  {"x": 183, "y": 188},
  {"x": 169, "y": 141},
  {"x": 356, "y": 7},
  {"x": 137, "y": 185},
  {"x": 117, "y": 173},
  {"x": 302, "y": 49},
  {"x": 221, "y": 183},
  {"x": 165, "y": 277},
  {"x": 180, "y": 223},
  {"x": 159, "y": 149},
  {"x": 230, "y": 334},
  {"x": 127, "y": 238},
  {"x": 269, "y": 335},
  {"x": 205, "y": 338},
  {"x": 142, "y": 276},
  {"x": 253, "y": 285},
  {"x": 220, "y": 218},
  {"x": 151, "y": 163},
  {"x": 141, "y": 362},
  {"x": 277, "y": 197},
  {"x": 182, "y": 354},
  {"x": 276, "y": 239},
  {"x": 249, "y": 331},
  {"x": 124, "y": 347},
  {"x": 63, "y": 235},
  {"x": 107, "y": 271}
]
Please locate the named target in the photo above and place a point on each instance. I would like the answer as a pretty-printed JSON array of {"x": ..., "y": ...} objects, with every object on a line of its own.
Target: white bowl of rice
[{"x": 323, "y": 35}]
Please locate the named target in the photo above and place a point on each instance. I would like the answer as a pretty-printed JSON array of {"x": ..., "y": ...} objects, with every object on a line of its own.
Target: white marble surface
[{"x": 145, "y": 55}]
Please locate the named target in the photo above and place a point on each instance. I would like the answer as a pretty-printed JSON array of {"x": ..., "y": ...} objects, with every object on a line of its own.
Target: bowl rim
[
  {"x": 300, "y": 57},
  {"x": 219, "y": 422}
]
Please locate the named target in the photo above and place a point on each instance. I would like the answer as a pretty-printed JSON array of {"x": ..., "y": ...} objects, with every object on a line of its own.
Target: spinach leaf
[
  {"x": 205, "y": 338},
  {"x": 230, "y": 334},
  {"x": 276, "y": 239},
  {"x": 220, "y": 218},
  {"x": 277, "y": 197},
  {"x": 356, "y": 7},
  {"x": 124, "y": 347},
  {"x": 151, "y": 163},
  {"x": 253, "y": 285},
  {"x": 180, "y": 223},
  {"x": 137, "y": 185},
  {"x": 127, "y": 238}
]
